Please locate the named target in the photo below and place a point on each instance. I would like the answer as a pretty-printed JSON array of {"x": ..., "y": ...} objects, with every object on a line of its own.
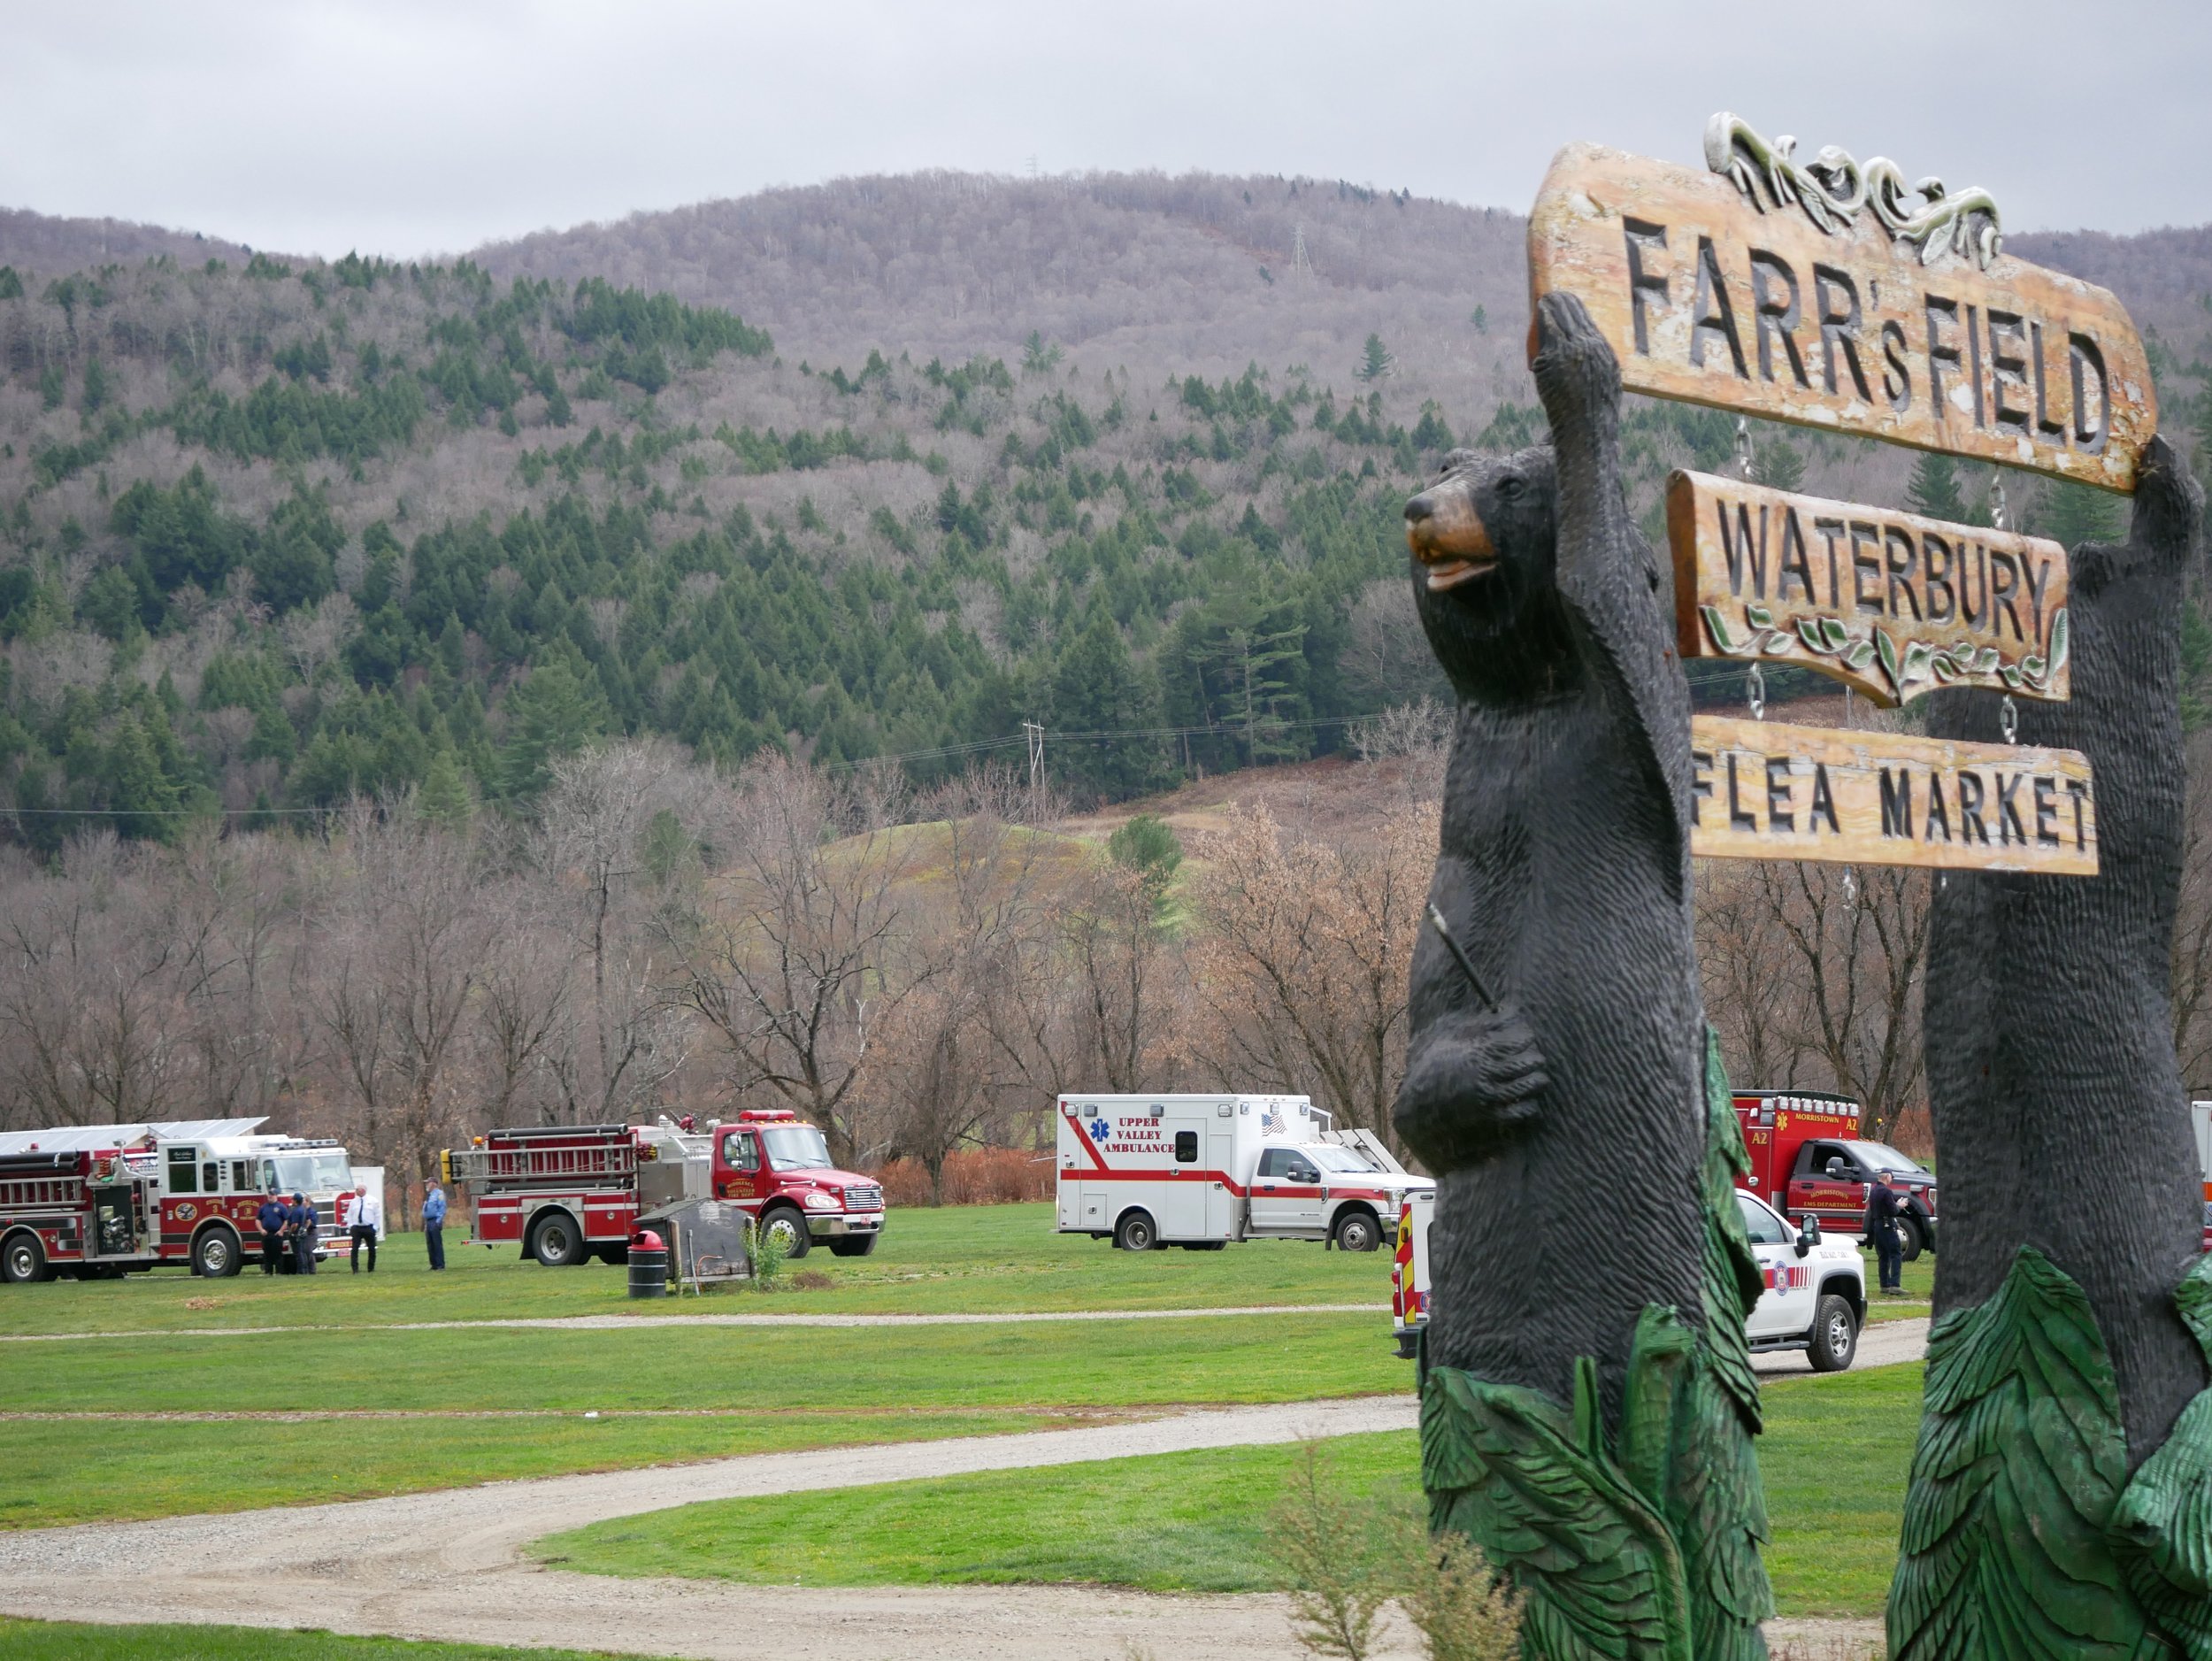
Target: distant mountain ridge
[{"x": 1201, "y": 269}]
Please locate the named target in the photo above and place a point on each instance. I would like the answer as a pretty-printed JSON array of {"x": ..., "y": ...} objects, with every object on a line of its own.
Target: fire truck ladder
[
  {"x": 41, "y": 1180},
  {"x": 551, "y": 1157}
]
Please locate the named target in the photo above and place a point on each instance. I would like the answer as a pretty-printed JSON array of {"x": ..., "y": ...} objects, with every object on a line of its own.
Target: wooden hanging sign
[
  {"x": 1770, "y": 791},
  {"x": 1889, "y": 604},
  {"x": 1820, "y": 293}
]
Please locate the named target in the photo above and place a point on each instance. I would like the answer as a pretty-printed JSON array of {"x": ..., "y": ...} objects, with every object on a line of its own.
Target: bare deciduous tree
[
  {"x": 783, "y": 951},
  {"x": 1302, "y": 963}
]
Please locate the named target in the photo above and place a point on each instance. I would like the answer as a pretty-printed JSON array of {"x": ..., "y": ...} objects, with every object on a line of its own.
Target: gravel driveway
[{"x": 445, "y": 1566}]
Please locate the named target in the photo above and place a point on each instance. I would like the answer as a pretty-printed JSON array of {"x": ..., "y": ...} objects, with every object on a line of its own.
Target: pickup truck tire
[
  {"x": 1136, "y": 1232},
  {"x": 854, "y": 1245},
  {"x": 1912, "y": 1238},
  {"x": 1356, "y": 1230},
  {"x": 23, "y": 1260},
  {"x": 787, "y": 1225},
  {"x": 1835, "y": 1335},
  {"x": 217, "y": 1254},
  {"x": 556, "y": 1240}
]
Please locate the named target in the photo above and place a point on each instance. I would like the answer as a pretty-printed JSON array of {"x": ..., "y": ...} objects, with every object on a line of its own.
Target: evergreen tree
[
  {"x": 1376, "y": 361},
  {"x": 443, "y": 795},
  {"x": 1148, "y": 845},
  {"x": 2074, "y": 513},
  {"x": 145, "y": 800},
  {"x": 554, "y": 714},
  {"x": 1933, "y": 491},
  {"x": 1780, "y": 464},
  {"x": 1096, "y": 689}
]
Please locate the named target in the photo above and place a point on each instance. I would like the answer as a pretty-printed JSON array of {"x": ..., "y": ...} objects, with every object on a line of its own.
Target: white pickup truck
[{"x": 1814, "y": 1298}]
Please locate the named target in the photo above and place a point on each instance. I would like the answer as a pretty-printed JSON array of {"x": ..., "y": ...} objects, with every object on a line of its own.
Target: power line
[{"x": 1034, "y": 735}]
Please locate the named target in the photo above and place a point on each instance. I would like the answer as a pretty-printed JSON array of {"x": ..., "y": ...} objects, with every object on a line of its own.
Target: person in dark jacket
[
  {"x": 1883, "y": 1205},
  {"x": 304, "y": 1222},
  {"x": 271, "y": 1217}
]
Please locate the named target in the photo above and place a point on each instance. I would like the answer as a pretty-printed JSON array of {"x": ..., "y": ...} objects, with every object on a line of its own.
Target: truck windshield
[
  {"x": 1879, "y": 1156},
  {"x": 306, "y": 1174},
  {"x": 1330, "y": 1158},
  {"x": 797, "y": 1147}
]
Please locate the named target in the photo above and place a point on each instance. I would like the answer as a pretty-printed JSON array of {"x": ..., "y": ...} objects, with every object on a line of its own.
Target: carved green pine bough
[
  {"x": 2024, "y": 1537},
  {"x": 1646, "y": 1550},
  {"x": 1959, "y": 664}
]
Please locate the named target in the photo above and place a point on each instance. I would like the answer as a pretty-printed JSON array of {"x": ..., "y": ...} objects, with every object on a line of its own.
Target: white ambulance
[{"x": 1200, "y": 1171}]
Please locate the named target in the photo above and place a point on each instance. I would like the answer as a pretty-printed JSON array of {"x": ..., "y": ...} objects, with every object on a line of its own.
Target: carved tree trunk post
[
  {"x": 1587, "y": 1397},
  {"x": 2058, "y": 1496}
]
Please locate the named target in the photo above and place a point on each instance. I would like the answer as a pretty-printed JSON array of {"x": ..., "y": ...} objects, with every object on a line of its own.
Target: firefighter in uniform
[
  {"x": 272, "y": 1218},
  {"x": 302, "y": 1234},
  {"x": 1880, "y": 1225}
]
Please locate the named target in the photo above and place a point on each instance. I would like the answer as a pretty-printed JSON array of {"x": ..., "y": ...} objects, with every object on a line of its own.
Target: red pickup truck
[{"x": 1808, "y": 1159}]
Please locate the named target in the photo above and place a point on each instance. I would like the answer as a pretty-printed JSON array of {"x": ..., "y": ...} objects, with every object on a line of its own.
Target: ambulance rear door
[
  {"x": 1184, "y": 1190},
  {"x": 1222, "y": 1177}
]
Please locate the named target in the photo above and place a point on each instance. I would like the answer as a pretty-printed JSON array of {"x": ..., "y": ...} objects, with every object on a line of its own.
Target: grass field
[
  {"x": 56, "y": 1641},
  {"x": 796, "y": 1387},
  {"x": 1834, "y": 1457},
  {"x": 69, "y": 1470},
  {"x": 775, "y": 1388},
  {"x": 957, "y": 1260}
]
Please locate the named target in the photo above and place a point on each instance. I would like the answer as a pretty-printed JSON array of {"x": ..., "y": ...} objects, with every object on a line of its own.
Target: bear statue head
[{"x": 1485, "y": 551}]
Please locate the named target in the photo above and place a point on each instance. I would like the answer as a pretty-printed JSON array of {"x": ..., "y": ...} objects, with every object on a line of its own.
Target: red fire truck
[
  {"x": 566, "y": 1194},
  {"x": 102, "y": 1201},
  {"x": 1808, "y": 1159}
]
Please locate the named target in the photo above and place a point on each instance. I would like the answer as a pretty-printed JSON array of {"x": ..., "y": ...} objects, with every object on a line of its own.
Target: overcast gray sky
[{"x": 407, "y": 126}]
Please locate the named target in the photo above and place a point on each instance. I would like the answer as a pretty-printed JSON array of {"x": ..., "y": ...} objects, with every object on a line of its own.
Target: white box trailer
[{"x": 1200, "y": 1171}]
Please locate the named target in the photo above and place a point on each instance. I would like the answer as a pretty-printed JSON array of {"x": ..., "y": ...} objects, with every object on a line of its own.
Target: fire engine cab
[
  {"x": 1808, "y": 1160},
  {"x": 99, "y": 1200},
  {"x": 569, "y": 1193},
  {"x": 1200, "y": 1171}
]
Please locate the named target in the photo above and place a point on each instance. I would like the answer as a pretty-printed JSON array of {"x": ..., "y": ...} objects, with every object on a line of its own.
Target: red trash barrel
[{"x": 648, "y": 1264}]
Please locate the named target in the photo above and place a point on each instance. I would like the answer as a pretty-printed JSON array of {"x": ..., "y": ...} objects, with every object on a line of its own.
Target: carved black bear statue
[
  {"x": 1587, "y": 1397},
  {"x": 2062, "y": 1494}
]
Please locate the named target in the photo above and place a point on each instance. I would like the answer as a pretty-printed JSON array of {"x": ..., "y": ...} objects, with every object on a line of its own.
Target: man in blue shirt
[
  {"x": 433, "y": 1225},
  {"x": 271, "y": 1217},
  {"x": 304, "y": 1222}
]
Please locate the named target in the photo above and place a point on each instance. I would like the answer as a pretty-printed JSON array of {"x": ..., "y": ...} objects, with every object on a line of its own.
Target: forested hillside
[{"x": 887, "y": 467}]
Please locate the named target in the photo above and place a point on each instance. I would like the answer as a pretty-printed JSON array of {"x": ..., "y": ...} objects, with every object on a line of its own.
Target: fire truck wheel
[
  {"x": 1136, "y": 1232},
  {"x": 1835, "y": 1335},
  {"x": 1358, "y": 1231},
  {"x": 1912, "y": 1237},
  {"x": 23, "y": 1260},
  {"x": 616, "y": 1255},
  {"x": 555, "y": 1242},
  {"x": 788, "y": 1228},
  {"x": 215, "y": 1254},
  {"x": 854, "y": 1245}
]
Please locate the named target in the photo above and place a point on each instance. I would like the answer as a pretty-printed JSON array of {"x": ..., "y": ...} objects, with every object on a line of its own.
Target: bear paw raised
[{"x": 1575, "y": 368}]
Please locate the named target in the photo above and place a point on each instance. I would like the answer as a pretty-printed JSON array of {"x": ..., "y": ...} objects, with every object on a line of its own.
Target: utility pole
[
  {"x": 1036, "y": 733},
  {"x": 1300, "y": 264}
]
